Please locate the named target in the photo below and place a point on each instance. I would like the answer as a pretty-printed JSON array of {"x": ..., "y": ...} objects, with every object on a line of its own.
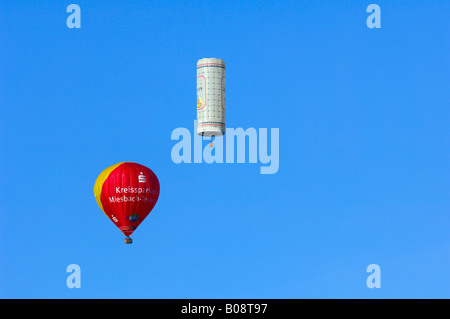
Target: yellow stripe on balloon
[{"x": 99, "y": 183}]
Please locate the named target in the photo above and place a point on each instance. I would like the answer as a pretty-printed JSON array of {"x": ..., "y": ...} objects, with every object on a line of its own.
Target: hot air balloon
[
  {"x": 127, "y": 192},
  {"x": 210, "y": 97}
]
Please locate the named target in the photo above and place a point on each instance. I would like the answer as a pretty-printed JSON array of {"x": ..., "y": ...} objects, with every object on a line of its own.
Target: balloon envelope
[{"x": 127, "y": 192}]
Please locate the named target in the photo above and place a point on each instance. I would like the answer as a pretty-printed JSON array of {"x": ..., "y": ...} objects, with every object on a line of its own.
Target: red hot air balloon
[{"x": 126, "y": 193}]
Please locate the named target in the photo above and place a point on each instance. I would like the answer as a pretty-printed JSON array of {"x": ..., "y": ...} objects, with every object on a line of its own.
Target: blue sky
[{"x": 364, "y": 173}]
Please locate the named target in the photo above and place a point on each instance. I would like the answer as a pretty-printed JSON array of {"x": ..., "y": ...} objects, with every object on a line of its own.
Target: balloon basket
[{"x": 128, "y": 240}]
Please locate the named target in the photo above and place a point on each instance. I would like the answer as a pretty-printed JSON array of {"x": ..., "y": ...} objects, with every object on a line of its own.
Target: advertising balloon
[
  {"x": 127, "y": 192},
  {"x": 210, "y": 97}
]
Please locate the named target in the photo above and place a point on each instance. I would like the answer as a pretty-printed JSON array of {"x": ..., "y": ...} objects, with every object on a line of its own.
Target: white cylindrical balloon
[{"x": 211, "y": 97}]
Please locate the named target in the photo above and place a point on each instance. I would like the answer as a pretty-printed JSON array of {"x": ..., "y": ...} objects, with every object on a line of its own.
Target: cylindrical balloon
[
  {"x": 126, "y": 192},
  {"x": 210, "y": 97}
]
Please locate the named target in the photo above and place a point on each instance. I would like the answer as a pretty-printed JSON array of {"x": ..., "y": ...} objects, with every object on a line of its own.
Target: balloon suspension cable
[{"x": 213, "y": 137}]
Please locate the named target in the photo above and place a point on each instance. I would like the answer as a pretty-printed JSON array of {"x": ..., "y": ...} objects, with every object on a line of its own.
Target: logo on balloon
[
  {"x": 142, "y": 178},
  {"x": 133, "y": 218}
]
